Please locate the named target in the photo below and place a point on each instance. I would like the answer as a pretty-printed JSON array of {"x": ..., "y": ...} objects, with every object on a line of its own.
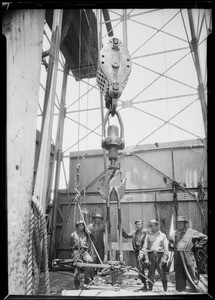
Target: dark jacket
[{"x": 138, "y": 237}]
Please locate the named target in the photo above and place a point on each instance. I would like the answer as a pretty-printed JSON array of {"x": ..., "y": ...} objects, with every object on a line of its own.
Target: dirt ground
[{"x": 128, "y": 283}]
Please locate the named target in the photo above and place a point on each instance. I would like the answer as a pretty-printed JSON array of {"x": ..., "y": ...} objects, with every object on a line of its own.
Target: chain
[{"x": 78, "y": 194}]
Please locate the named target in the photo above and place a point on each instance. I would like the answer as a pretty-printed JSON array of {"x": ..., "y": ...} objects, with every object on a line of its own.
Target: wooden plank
[
  {"x": 41, "y": 182},
  {"x": 165, "y": 213},
  {"x": 148, "y": 213},
  {"x": 125, "y": 246},
  {"x": 134, "y": 197},
  {"x": 24, "y": 34},
  {"x": 71, "y": 33},
  {"x": 194, "y": 216},
  {"x": 187, "y": 166}
]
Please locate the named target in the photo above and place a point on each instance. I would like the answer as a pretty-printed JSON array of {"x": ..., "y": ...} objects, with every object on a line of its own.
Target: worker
[
  {"x": 96, "y": 230},
  {"x": 81, "y": 249},
  {"x": 156, "y": 253},
  {"x": 184, "y": 241},
  {"x": 138, "y": 238}
]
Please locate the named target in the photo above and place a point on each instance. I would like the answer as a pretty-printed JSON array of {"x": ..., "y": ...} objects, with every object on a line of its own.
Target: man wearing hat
[
  {"x": 184, "y": 241},
  {"x": 96, "y": 230},
  {"x": 81, "y": 249},
  {"x": 156, "y": 253},
  {"x": 138, "y": 238}
]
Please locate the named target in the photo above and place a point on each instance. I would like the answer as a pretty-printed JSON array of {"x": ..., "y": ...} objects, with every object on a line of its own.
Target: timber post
[
  {"x": 58, "y": 157},
  {"x": 41, "y": 182},
  {"x": 24, "y": 36}
]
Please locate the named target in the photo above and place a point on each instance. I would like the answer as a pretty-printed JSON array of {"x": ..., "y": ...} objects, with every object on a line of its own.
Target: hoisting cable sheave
[{"x": 114, "y": 67}]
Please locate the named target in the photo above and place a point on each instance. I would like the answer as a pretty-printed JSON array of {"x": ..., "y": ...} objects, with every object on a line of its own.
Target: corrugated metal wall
[{"x": 150, "y": 171}]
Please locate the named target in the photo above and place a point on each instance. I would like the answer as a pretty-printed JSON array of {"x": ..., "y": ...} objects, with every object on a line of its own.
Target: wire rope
[{"x": 79, "y": 83}]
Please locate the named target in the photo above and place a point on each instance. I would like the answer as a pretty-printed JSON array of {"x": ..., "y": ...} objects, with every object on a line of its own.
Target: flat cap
[
  {"x": 153, "y": 221},
  {"x": 182, "y": 219},
  {"x": 97, "y": 215},
  {"x": 138, "y": 221},
  {"x": 79, "y": 222}
]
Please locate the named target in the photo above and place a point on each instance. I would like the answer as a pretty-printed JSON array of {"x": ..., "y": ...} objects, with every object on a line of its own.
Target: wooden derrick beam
[
  {"x": 41, "y": 182},
  {"x": 24, "y": 33}
]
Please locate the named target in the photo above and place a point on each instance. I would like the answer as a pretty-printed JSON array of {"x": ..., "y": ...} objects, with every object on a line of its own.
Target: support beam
[
  {"x": 58, "y": 157},
  {"x": 53, "y": 52},
  {"x": 125, "y": 31},
  {"x": 24, "y": 36},
  {"x": 41, "y": 182},
  {"x": 107, "y": 22},
  {"x": 194, "y": 48},
  {"x": 99, "y": 30}
]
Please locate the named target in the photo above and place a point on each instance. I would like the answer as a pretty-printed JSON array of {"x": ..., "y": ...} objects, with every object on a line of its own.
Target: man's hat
[
  {"x": 153, "y": 221},
  {"x": 97, "y": 215},
  {"x": 138, "y": 221},
  {"x": 79, "y": 222},
  {"x": 181, "y": 219}
]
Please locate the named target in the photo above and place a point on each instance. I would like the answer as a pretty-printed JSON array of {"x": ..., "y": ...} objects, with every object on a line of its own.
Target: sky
[{"x": 150, "y": 33}]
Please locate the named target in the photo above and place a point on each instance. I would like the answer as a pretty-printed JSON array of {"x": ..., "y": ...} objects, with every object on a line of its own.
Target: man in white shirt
[{"x": 156, "y": 253}]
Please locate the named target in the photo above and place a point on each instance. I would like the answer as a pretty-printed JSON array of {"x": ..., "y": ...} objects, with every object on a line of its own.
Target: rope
[
  {"x": 37, "y": 253},
  {"x": 94, "y": 248},
  {"x": 35, "y": 268},
  {"x": 45, "y": 243},
  {"x": 30, "y": 255},
  {"x": 84, "y": 210},
  {"x": 37, "y": 242},
  {"x": 189, "y": 278},
  {"x": 79, "y": 84}
]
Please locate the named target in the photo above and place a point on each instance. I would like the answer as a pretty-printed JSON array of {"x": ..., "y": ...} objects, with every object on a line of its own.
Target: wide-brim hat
[
  {"x": 79, "y": 222},
  {"x": 138, "y": 221},
  {"x": 97, "y": 215},
  {"x": 181, "y": 219},
  {"x": 153, "y": 221}
]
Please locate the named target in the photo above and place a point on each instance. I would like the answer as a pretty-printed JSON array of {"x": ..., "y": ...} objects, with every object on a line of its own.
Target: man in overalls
[
  {"x": 81, "y": 251},
  {"x": 96, "y": 230},
  {"x": 156, "y": 253},
  {"x": 184, "y": 241},
  {"x": 138, "y": 238}
]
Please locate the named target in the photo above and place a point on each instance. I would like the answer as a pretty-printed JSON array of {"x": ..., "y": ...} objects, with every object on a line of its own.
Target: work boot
[
  {"x": 145, "y": 288},
  {"x": 164, "y": 283},
  {"x": 150, "y": 286},
  {"x": 87, "y": 280}
]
